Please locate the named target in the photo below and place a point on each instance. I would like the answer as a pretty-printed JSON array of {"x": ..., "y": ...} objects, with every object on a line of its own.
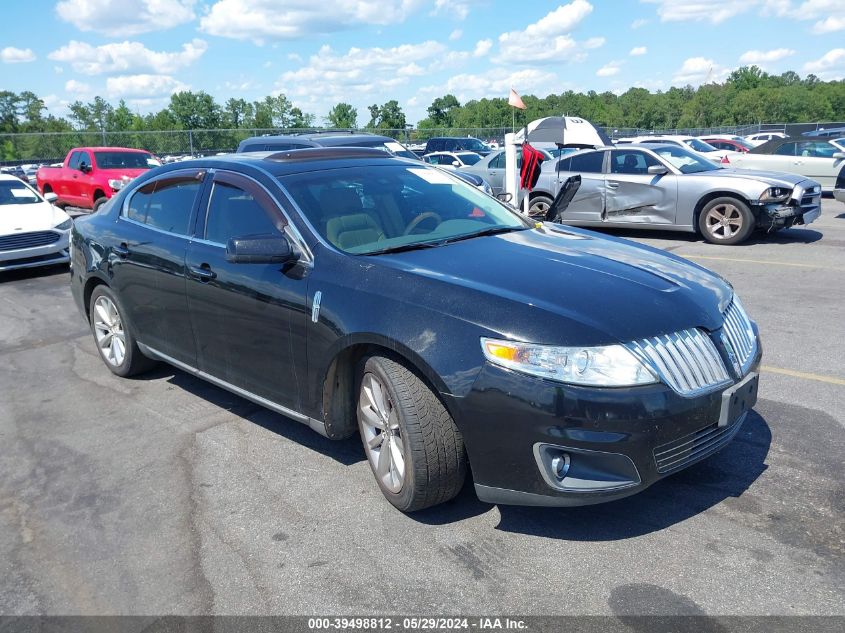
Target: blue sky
[{"x": 320, "y": 52}]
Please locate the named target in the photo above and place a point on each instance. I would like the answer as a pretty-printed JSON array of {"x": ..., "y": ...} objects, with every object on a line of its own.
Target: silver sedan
[{"x": 670, "y": 188}]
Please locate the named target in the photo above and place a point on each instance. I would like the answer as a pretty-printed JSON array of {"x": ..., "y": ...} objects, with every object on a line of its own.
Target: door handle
[
  {"x": 613, "y": 185},
  {"x": 203, "y": 273},
  {"x": 121, "y": 251}
]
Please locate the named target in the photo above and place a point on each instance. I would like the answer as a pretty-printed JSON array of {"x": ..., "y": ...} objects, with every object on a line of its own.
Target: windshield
[
  {"x": 684, "y": 160},
  {"x": 366, "y": 210},
  {"x": 125, "y": 160},
  {"x": 469, "y": 158},
  {"x": 839, "y": 142},
  {"x": 15, "y": 192},
  {"x": 473, "y": 145},
  {"x": 700, "y": 146}
]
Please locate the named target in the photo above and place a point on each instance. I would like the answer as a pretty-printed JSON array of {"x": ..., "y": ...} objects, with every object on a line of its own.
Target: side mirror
[
  {"x": 84, "y": 167},
  {"x": 260, "y": 249},
  {"x": 456, "y": 163},
  {"x": 50, "y": 197},
  {"x": 839, "y": 155},
  {"x": 504, "y": 197},
  {"x": 657, "y": 170}
]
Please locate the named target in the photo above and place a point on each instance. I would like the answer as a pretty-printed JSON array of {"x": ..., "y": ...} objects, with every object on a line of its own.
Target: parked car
[
  {"x": 16, "y": 171},
  {"x": 33, "y": 232},
  {"x": 452, "y": 160},
  {"x": 456, "y": 144},
  {"x": 831, "y": 132},
  {"x": 376, "y": 296},
  {"x": 345, "y": 139},
  {"x": 689, "y": 142},
  {"x": 762, "y": 137},
  {"x": 492, "y": 168},
  {"x": 818, "y": 159},
  {"x": 839, "y": 188},
  {"x": 90, "y": 176},
  {"x": 731, "y": 144},
  {"x": 671, "y": 188}
]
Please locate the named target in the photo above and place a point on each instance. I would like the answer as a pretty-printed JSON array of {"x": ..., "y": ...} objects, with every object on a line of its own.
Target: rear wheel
[
  {"x": 539, "y": 206},
  {"x": 726, "y": 220},
  {"x": 414, "y": 448},
  {"x": 115, "y": 341}
]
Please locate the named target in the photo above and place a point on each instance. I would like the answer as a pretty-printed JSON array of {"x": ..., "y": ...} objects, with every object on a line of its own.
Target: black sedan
[{"x": 357, "y": 292}]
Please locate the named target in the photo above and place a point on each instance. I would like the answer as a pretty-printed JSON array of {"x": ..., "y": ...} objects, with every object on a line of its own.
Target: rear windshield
[
  {"x": 699, "y": 146},
  {"x": 125, "y": 160},
  {"x": 469, "y": 159}
]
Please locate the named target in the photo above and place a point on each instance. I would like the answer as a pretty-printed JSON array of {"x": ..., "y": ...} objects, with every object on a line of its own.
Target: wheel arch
[
  {"x": 88, "y": 290},
  {"x": 339, "y": 379},
  {"x": 98, "y": 193},
  {"x": 712, "y": 195}
]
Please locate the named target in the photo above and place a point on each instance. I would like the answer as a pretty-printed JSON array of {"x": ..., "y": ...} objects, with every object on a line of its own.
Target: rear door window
[
  {"x": 589, "y": 163},
  {"x": 787, "y": 149},
  {"x": 165, "y": 204}
]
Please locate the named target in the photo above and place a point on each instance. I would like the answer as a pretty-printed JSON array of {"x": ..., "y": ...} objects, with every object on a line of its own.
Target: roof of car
[{"x": 325, "y": 139}]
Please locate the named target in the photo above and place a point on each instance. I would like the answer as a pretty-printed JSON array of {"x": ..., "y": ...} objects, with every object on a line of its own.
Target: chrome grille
[
  {"x": 695, "y": 446},
  {"x": 739, "y": 333},
  {"x": 18, "y": 241},
  {"x": 687, "y": 361}
]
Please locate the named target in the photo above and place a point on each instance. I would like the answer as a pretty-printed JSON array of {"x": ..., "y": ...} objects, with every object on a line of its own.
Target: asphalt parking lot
[{"x": 166, "y": 495}]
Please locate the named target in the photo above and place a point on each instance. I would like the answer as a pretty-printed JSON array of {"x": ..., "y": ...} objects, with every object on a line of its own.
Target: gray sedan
[{"x": 670, "y": 188}]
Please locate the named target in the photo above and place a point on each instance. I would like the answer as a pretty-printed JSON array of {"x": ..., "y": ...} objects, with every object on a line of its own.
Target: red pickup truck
[{"x": 91, "y": 175}]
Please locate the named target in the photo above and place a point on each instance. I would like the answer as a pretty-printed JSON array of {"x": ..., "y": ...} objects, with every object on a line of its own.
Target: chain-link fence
[{"x": 52, "y": 147}]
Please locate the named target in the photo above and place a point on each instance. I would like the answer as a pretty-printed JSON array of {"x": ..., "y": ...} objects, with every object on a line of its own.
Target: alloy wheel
[
  {"x": 379, "y": 421},
  {"x": 723, "y": 221},
  {"x": 108, "y": 330}
]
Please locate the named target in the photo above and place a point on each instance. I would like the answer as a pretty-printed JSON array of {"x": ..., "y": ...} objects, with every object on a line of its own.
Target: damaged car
[{"x": 666, "y": 187}]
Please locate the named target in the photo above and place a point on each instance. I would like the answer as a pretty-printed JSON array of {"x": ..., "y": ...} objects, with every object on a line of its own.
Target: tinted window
[
  {"x": 165, "y": 204},
  {"x": 73, "y": 163},
  {"x": 787, "y": 149},
  {"x": 84, "y": 157},
  {"x": 469, "y": 159},
  {"x": 498, "y": 162},
  {"x": 589, "y": 163},
  {"x": 816, "y": 149},
  {"x": 124, "y": 160},
  {"x": 630, "y": 162},
  {"x": 233, "y": 212}
]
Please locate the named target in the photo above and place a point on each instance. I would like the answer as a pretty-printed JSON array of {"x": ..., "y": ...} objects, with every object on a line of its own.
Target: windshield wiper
[
  {"x": 405, "y": 247},
  {"x": 493, "y": 230}
]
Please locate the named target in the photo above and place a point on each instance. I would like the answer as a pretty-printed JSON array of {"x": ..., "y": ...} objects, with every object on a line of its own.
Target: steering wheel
[{"x": 417, "y": 220}]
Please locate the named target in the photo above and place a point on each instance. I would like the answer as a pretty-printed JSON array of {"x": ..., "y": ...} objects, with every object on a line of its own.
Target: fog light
[{"x": 560, "y": 465}]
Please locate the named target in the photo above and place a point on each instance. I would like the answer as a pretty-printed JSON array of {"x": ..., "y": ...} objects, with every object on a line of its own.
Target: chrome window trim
[{"x": 123, "y": 215}]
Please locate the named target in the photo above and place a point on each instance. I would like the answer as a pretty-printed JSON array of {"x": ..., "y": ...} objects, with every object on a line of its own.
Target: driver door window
[
  {"x": 234, "y": 212},
  {"x": 631, "y": 162}
]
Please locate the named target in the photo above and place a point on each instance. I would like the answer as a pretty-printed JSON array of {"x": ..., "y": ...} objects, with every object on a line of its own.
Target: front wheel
[
  {"x": 726, "y": 221},
  {"x": 98, "y": 203},
  {"x": 115, "y": 341},
  {"x": 414, "y": 448}
]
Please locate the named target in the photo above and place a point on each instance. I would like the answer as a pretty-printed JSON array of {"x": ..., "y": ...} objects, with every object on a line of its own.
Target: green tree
[
  {"x": 343, "y": 115},
  {"x": 194, "y": 110},
  {"x": 387, "y": 117},
  {"x": 441, "y": 110}
]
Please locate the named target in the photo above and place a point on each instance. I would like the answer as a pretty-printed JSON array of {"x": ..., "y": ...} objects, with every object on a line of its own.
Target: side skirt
[{"x": 315, "y": 424}]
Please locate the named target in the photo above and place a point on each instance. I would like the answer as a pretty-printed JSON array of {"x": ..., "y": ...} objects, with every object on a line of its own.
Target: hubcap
[
  {"x": 538, "y": 209},
  {"x": 108, "y": 330},
  {"x": 379, "y": 422},
  {"x": 723, "y": 221}
]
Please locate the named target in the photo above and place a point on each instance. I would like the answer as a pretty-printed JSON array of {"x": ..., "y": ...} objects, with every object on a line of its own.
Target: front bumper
[
  {"x": 617, "y": 441},
  {"x": 839, "y": 194},
  {"x": 31, "y": 257},
  {"x": 803, "y": 207}
]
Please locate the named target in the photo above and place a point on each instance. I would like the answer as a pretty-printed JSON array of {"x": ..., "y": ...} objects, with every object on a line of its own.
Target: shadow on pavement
[{"x": 33, "y": 273}]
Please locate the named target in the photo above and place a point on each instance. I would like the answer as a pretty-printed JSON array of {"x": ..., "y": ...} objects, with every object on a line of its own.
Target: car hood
[
  {"x": 21, "y": 218},
  {"x": 567, "y": 286},
  {"x": 772, "y": 178}
]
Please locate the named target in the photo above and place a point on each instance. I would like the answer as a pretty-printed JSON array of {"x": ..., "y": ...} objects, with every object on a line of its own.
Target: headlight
[
  {"x": 118, "y": 183},
  {"x": 607, "y": 366},
  {"x": 776, "y": 194},
  {"x": 64, "y": 226}
]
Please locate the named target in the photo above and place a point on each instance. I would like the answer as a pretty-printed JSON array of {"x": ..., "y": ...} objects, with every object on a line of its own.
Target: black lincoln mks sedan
[{"x": 355, "y": 291}]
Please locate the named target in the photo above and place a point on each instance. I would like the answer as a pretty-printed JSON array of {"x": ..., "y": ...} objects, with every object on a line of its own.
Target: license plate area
[{"x": 738, "y": 399}]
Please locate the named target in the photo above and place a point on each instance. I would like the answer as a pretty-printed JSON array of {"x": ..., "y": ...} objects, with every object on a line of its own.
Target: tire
[
  {"x": 397, "y": 412},
  {"x": 539, "y": 206},
  {"x": 726, "y": 220},
  {"x": 98, "y": 203},
  {"x": 113, "y": 335}
]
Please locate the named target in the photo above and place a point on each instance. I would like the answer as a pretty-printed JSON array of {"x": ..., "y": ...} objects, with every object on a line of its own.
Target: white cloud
[
  {"x": 455, "y": 35},
  {"x": 763, "y": 57},
  {"x": 829, "y": 66},
  {"x": 594, "y": 42},
  {"x": 550, "y": 34},
  {"x": 609, "y": 69},
  {"x": 482, "y": 47},
  {"x": 698, "y": 70},
  {"x": 118, "y": 18},
  {"x": 77, "y": 87},
  {"x": 261, "y": 20},
  {"x": 143, "y": 86},
  {"x": 126, "y": 57},
  {"x": 714, "y": 11},
  {"x": 639, "y": 23},
  {"x": 638, "y": 50},
  {"x": 457, "y": 8},
  {"x": 12, "y": 55},
  {"x": 830, "y": 24}
]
